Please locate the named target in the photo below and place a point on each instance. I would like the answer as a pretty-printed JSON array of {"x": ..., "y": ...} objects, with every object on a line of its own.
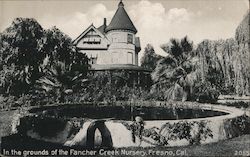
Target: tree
[
  {"x": 22, "y": 43},
  {"x": 58, "y": 80},
  {"x": 174, "y": 75},
  {"x": 64, "y": 68},
  {"x": 57, "y": 47},
  {"x": 39, "y": 61},
  {"x": 21, "y": 50},
  {"x": 150, "y": 58}
]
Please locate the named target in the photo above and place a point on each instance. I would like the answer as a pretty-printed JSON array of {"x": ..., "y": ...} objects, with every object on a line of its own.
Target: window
[
  {"x": 130, "y": 38},
  {"x": 115, "y": 57},
  {"x": 91, "y": 41},
  {"x": 129, "y": 58},
  {"x": 115, "y": 37},
  {"x": 92, "y": 60}
]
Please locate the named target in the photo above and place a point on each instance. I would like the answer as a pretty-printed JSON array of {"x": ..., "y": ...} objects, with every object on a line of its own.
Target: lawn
[{"x": 231, "y": 147}]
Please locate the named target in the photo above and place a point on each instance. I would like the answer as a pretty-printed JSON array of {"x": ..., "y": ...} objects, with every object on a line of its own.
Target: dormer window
[
  {"x": 130, "y": 39},
  {"x": 91, "y": 41}
]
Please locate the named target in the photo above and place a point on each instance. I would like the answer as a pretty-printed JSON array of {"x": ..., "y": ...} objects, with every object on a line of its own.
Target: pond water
[
  {"x": 88, "y": 125},
  {"x": 126, "y": 112}
]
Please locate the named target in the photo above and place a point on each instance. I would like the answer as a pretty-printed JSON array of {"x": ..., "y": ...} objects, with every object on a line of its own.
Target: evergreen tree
[
  {"x": 21, "y": 51},
  {"x": 150, "y": 58}
]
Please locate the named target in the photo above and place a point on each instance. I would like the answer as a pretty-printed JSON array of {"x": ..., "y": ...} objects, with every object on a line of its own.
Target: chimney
[{"x": 105, "y": 22}]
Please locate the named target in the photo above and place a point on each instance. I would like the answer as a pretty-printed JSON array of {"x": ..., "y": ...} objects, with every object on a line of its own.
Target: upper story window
[
  {"x": 91, "y": 41},
  {"x": 115, "y": 37},
  {"x": 92, "y": 60},
  {"x": 130, "y": 38}
]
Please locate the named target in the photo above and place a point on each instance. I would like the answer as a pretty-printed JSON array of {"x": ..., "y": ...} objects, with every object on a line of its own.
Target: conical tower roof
[{"x": 121, "y": 20}]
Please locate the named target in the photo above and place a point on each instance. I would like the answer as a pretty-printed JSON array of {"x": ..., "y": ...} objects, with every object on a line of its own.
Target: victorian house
[{"x": 111, "y": 45}]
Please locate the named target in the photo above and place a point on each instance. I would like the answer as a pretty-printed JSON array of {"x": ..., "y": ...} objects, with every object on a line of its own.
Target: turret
[{"x": 121, "y": 32}]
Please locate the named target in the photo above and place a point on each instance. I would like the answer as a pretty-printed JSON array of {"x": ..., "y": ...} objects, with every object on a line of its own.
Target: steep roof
[
  {"x": 102, "y": 29},
  {"x": 121, "y": 20},
  {"x": 86, "y": 31}
]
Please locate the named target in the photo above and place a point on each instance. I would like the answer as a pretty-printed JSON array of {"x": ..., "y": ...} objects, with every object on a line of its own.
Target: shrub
[
  {"x": 7, "y": 102},
  {"x": 176, "y": 131},
  {"x": 237, "y": 126},
  {"x": 239, "y": 104},
  {"x": 110, "y": 86},
  {"x": 205, "y": 93}
]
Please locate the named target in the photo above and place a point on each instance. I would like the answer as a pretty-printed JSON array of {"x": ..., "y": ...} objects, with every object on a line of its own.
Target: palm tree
[
  {"x": 59, "y": 80},
  {"x": 174, "y": 75}
]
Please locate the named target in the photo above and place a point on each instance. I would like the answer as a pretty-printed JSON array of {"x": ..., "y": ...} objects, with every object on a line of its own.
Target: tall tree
[
  {"x": 173, "y": 76},
  {"x": 21, "y": 49},
  {"x": 57, "y": 47},
  {"x": 64, "y": 68},
  {"x": 150, "y": 58}
]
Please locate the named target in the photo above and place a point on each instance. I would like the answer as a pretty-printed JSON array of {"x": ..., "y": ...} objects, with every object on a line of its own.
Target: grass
[{"x": 222, "y": 148}]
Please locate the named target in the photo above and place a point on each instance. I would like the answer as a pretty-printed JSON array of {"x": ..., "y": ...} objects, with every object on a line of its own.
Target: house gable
[{"x": 92, "y": 39}]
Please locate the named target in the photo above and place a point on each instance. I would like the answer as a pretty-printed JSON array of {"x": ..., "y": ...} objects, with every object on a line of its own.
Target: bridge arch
[{"x": 105, "y": 134}]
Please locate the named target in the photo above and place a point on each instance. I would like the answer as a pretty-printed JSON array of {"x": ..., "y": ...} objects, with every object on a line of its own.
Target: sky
[{"x": 157, "y": 21}]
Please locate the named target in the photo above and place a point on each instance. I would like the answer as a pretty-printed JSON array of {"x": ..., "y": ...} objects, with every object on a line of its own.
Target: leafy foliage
[
  {"x": 204, "y": 92},
  {"x": 22, "y": 43},
  {"x": 150, "y": 58},
  {"x": 38, "y": 61},
  {"x": 22, "y": 54},
  {"x": 237, "y": 126},
  {"x": 194, "y": 132},
  {"x": 174, "y": 74},
  {"x": 224, "y": 63},
  {"x": 240, "y": 104},
  {"x": 64, "y": 68},
  {"x": 116, "y": 85},
  {"x": 57, "y": 47}
]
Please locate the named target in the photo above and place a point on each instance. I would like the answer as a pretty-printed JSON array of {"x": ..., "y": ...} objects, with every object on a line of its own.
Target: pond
[
  {"x": 127, "y": 112},
  {"x": 91, "y": 125}
]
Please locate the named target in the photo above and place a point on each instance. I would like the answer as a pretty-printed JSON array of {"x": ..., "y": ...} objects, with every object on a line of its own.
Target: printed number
[{"x": 242, "y": 153}]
